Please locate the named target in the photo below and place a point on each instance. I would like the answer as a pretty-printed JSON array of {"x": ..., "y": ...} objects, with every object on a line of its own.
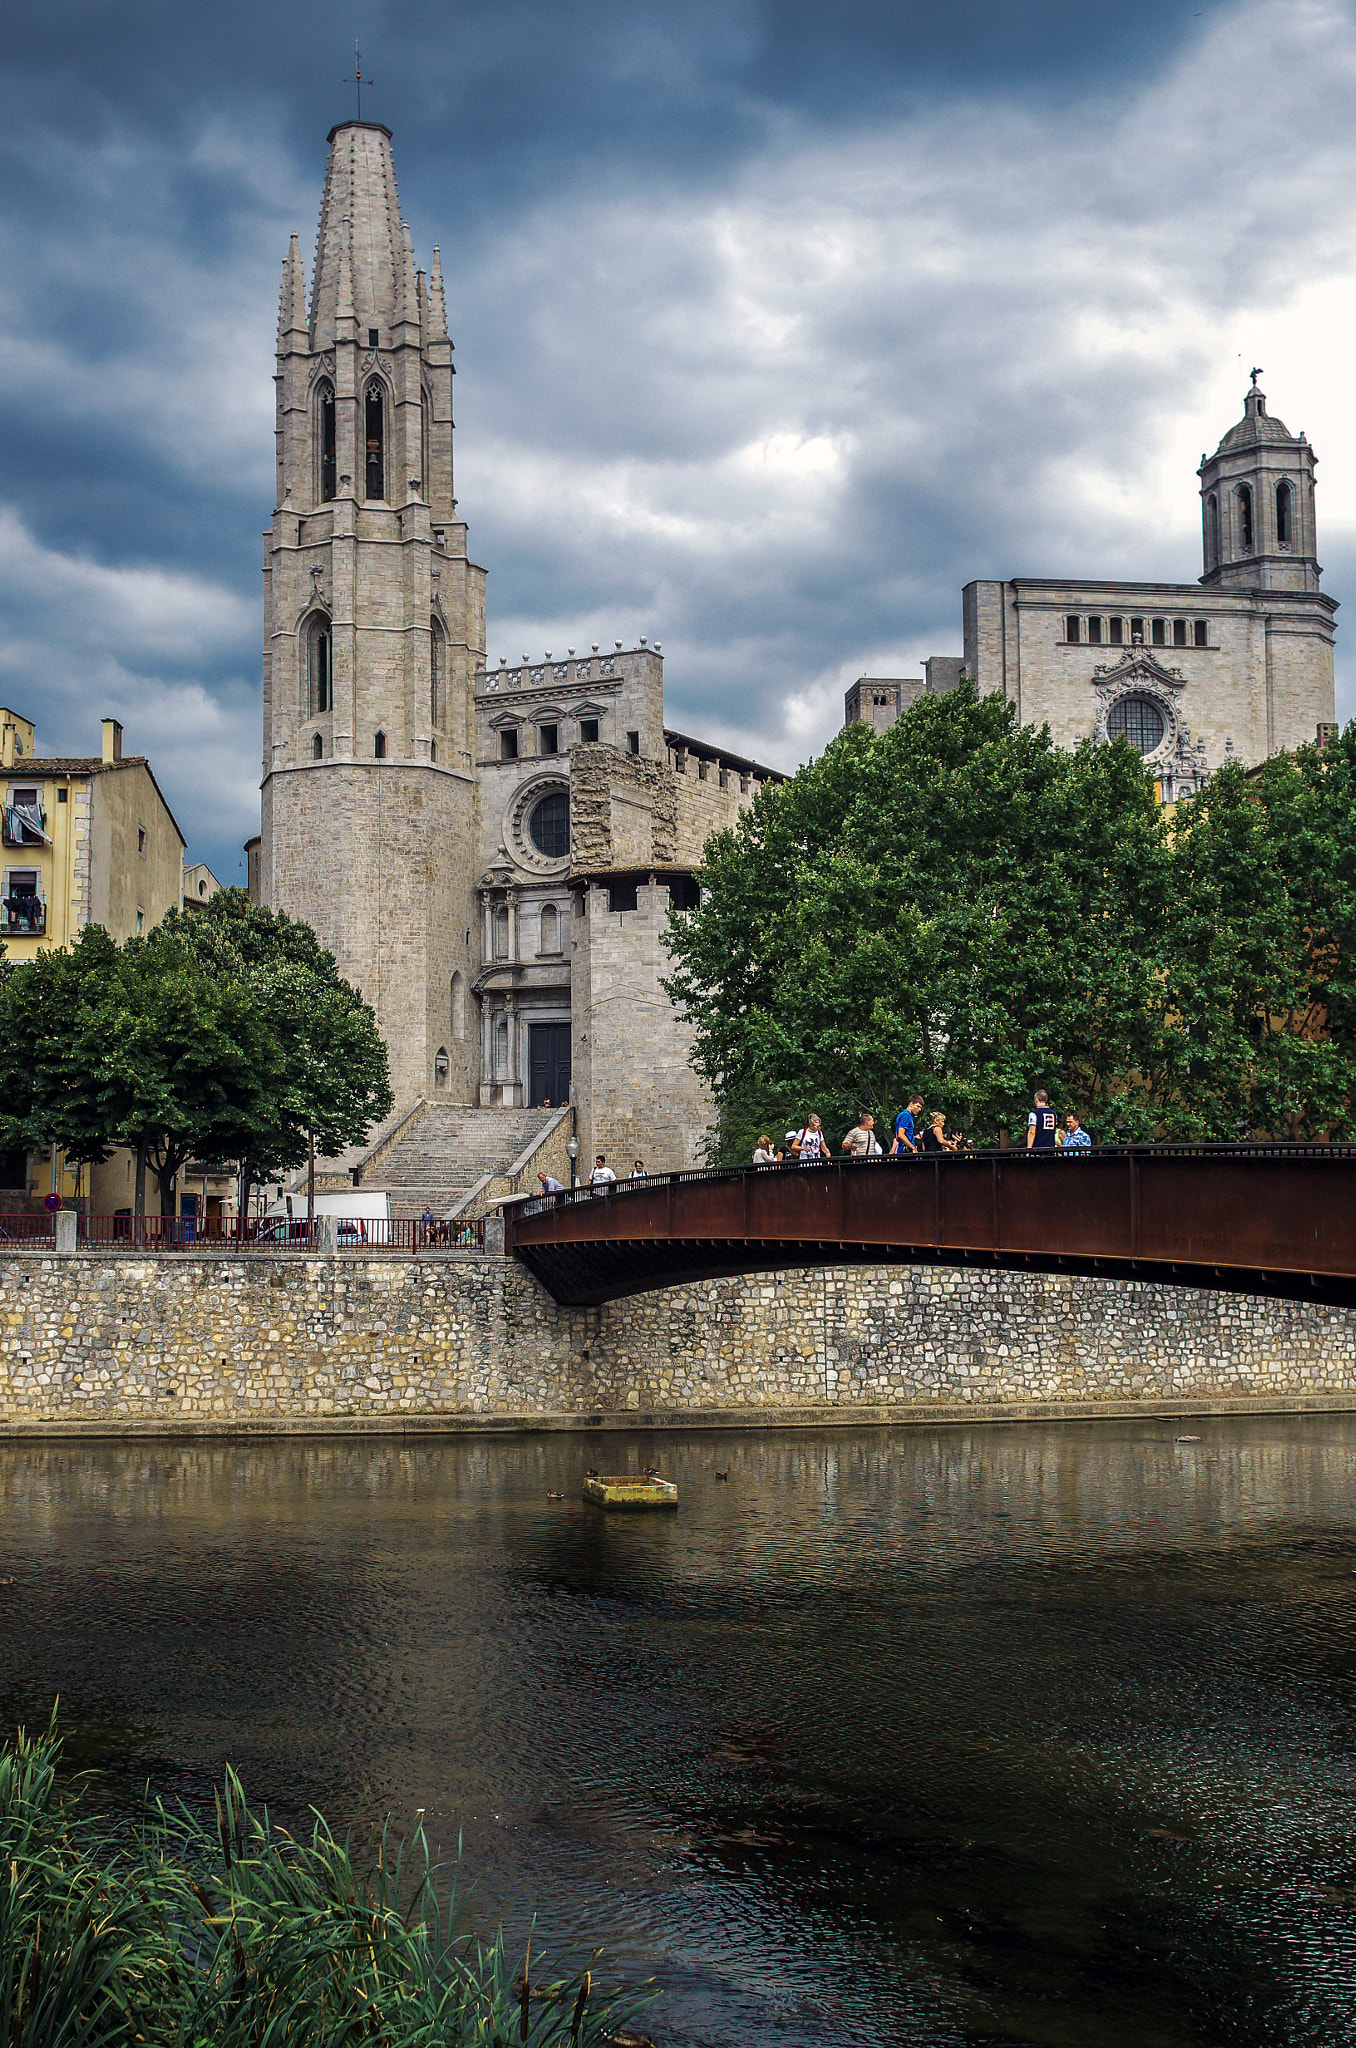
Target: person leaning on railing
[
  {"x": 763, "y": 1154},
  {"x": 934, "y": 1138}
]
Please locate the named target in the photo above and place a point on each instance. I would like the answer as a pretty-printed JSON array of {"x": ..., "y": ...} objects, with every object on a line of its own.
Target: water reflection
[{"x": 974, "y": 1735}]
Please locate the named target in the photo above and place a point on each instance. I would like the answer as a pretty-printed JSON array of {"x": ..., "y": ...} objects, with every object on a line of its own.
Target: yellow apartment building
[{"x": 86, "y": 840}]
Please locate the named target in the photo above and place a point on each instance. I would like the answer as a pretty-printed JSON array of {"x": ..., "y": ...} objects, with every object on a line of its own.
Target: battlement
[{"x": 643, "y": 663}]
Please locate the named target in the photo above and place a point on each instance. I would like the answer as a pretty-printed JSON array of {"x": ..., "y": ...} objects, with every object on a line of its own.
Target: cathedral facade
[
  {"x": 491, "y": 854},
  {"x": 1237, "y": 665}
]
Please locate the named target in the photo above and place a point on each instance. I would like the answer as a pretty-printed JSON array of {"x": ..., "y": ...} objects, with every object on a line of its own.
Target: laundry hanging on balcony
[
  {"x": 25, "y": 823},
  {"x": 26, "y": 913}
]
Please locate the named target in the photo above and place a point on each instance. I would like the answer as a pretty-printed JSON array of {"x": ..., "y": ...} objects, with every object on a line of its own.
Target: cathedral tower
[
  {"x": 374, "y": 628},
  {"x": 1257, "y": 505}
]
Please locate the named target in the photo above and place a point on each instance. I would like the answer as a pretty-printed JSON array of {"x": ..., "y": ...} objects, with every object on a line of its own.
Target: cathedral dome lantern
[{"x": 1257, "y": 505}]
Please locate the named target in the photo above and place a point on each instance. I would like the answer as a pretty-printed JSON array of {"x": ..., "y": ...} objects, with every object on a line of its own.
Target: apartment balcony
[{"x": 23, "y": 918}]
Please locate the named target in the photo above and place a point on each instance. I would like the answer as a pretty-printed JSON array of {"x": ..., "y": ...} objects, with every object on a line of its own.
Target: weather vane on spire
[
  {"x": 1255, "y": 375},
  {"x": 357, "y": 79}
]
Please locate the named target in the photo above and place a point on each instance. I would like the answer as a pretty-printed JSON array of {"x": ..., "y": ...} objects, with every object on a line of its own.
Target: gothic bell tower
[
  {"x": 374, "y": 627},
  {"x": 1257, "y": 505}
]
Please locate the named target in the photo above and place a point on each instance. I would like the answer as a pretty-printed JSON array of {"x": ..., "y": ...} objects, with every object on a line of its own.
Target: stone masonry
[{"x": 284, "y": 1339}]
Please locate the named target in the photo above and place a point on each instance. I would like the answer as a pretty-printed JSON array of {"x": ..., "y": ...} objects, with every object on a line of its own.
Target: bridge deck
[{"x": 1270, "y": 1219}]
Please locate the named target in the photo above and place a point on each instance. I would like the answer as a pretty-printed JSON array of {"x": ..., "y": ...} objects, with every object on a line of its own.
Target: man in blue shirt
[
  {"x": 905, "y": 1134},
  {"x": 1074, "y": 1134}
]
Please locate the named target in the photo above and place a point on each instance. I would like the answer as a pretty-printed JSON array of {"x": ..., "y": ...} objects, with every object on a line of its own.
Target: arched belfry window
[
  {"x": 319, "y": 666},
  {"x": 379, "y": 749},
  {"x": 324, "y": 411},
  {"x": 437, "y": 669},
  {"x": 1285, "y": 498},
  {"x": 317, "y": 748},
  {"x": 1245, "y": 519},
  {"x": 374, "y": 419},
  {"x": 1212, "y": 531}
]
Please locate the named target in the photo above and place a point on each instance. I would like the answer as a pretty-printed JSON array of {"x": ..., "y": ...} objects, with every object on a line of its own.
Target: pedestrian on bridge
[
  {"x": 934, "y": 1138},
  {"x": 861, "y": 1141},
  {"x": 602, "y": 1176},
  {"x": 763, "y": 1154},
  {"x": 810, "y": 1143},
  {"x": 1041, "y": 1125},
  {"x": 1076, "y": 1138},
  {"x": 906, "y": 1135}
]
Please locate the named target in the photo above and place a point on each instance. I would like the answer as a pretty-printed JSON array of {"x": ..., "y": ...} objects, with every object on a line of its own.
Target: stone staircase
[{"x": 436, "y": 1161}]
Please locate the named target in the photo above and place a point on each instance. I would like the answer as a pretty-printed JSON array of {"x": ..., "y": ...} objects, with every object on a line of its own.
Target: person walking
[
  {"x": 861, "y": 1141},
  {"x": 602, "y": 1176},
  {"x": 1076, "y": 1138},
  {"x": 763, "y": 1154},
  {"x": 810, "y": 1143},
  {"x": 1041, "y": 1125},
  {"x": 906, "y": 1135},
  {"x": 638, "y": 1171}
]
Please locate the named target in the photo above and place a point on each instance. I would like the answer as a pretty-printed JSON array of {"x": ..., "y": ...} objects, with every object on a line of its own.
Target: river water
[{"x": 972, "y": 1735}]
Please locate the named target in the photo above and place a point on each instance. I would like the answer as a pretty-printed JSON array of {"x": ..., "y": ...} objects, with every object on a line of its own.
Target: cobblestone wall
[{"x": 222, "y": 1341}]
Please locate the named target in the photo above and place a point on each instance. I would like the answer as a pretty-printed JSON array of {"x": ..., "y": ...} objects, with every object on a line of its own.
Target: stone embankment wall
[{"x": 293, "y": 1339}]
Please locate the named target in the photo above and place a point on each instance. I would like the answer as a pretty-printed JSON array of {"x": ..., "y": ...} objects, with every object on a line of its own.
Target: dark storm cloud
[{"x": 775, "y": 324}]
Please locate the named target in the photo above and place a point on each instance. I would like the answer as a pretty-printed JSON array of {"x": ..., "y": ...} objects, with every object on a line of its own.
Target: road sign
[{"x": 52, "y": 1202}]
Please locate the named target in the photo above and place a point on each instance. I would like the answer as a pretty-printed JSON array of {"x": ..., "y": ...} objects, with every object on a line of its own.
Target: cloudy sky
[{"x": 775, "y": 324}]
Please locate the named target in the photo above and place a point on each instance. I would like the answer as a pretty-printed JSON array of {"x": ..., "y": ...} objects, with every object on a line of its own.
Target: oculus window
[
  {"x": 1139, "y": 720},
  {"x": 550, "y": 825}
]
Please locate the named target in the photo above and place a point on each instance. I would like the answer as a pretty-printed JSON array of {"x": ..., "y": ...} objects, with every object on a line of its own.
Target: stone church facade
[
  {"x": 490, "y": 853},
  {"x": 1238, "y": 664}
]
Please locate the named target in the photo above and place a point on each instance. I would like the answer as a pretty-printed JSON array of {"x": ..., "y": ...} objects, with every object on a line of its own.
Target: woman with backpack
[{"x": 810, "y": 1143}]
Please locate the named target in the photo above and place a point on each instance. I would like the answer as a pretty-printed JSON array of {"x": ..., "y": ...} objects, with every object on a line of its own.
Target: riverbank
[{"x": 301, "y": 1344}]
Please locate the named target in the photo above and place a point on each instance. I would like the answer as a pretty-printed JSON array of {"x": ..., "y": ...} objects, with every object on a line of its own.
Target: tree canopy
[
  {"x": 958, "y": 907},
  {"x": 226, "y": 1034}
]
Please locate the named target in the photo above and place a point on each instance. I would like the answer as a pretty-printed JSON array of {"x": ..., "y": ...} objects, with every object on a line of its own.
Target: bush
[{"x": 176, "y": 1935}]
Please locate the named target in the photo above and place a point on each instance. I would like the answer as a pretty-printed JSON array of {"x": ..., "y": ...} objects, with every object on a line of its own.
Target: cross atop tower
[{"x": 357, "y": 79}]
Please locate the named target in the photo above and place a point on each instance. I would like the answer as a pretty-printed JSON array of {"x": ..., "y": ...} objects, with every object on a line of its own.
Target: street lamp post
[{"x": 572, "y": 1147}]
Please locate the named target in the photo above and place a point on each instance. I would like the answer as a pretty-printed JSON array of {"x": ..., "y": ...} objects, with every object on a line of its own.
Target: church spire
[
  {"x": 437, "y": 301},
  {"x": 345, "y": 318},
  {"x": 359, "y": 221},
  {"x": 292, "y": 300},
  {"x": 407, "y": 295}
]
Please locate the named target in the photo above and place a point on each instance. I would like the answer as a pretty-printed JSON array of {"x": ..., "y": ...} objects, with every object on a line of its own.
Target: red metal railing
[
  {"x": 1254, "y": 1217},
  {"x": 153, "y": 1233},
  {"x": 27, "y": 1229}
]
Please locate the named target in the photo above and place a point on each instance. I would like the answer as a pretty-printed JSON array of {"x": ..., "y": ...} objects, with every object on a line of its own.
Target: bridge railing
[
  {"x": 1038, "y": 1158},
  {"x": 1210, "y": 1213}
]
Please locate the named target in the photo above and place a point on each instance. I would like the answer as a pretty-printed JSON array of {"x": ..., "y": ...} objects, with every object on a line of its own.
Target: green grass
[{"x": 177, "y": 1935}]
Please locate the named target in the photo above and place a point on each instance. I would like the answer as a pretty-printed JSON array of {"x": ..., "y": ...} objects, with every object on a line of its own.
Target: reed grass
[{"x": 176, "y": 1934}]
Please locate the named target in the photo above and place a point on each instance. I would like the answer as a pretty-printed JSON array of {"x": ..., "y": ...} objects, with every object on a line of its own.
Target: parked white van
[{"x": 361, "y": 1216}]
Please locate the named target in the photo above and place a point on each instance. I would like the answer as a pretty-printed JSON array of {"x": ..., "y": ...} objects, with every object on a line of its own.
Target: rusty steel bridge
[{"x": 1255, "y": 1219}]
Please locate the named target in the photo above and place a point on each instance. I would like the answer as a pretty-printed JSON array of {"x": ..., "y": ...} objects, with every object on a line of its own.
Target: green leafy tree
[
  {"x": 48, "y": 1088},
  {"x": 954, "y": 906},
  {"x": 1263, "y": 960},
  {"x": 227, "y": 1035},
  {"x": 133, "y": 1046},
  {"x": 335, "y": 1080}
]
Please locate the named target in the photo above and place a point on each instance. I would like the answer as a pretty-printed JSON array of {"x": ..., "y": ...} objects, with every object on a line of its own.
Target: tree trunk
[
  {"x": 139, "y": 1199},
  {"x": 167, "y": 1186}
]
